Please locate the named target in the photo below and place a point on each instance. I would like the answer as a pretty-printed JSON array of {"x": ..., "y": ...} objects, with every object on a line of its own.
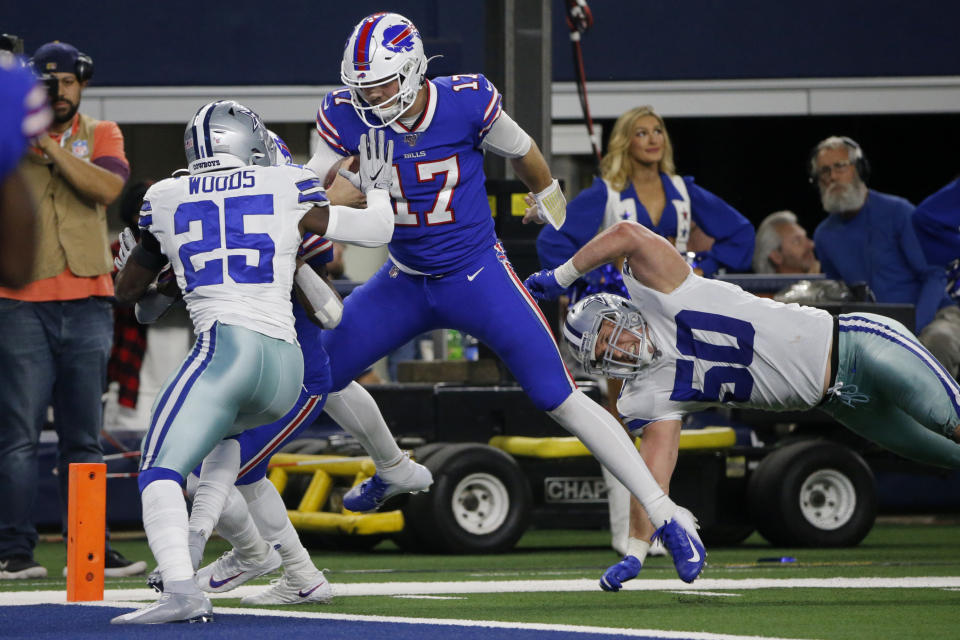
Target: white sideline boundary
[
  {"x": 133, "y": 598},
  {"x": 520, "y": 586}
]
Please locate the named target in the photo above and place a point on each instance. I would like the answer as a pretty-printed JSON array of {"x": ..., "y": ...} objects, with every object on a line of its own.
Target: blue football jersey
[
  {"x": 442, "y": 215},
  {"x": 24, "y": 112}
]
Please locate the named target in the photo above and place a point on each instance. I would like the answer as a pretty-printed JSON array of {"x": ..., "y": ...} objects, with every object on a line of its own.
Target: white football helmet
[
  {"x": 583, "y": 323},
  {"x": 225, "y": 134},
  {"x": 384, "y": 47}
]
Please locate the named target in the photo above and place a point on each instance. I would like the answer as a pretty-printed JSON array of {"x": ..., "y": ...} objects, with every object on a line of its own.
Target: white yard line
[{"x": 518, "y": 586}]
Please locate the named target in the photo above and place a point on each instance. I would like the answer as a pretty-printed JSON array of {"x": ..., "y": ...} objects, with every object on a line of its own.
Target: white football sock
[
  {"x": 217, "y": 475},
  {"x": 238, "y": 528},
  {"x": 356, "y": 411},
  {"x": 637, "y": 548},
  {"x": 235, "y": 524},
  {"x": 268, "y": 511},
  {"x": 611, "y": 446},
  {"x": 165, "y": 522}
]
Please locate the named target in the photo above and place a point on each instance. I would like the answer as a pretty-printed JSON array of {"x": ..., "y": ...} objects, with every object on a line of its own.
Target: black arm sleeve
[{"x": 147, "y": 253}]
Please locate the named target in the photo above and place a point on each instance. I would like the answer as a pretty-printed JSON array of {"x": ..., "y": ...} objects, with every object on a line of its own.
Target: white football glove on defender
[
  {"x": 376, "y": 163},
  {"x": 127, "y": 243}
]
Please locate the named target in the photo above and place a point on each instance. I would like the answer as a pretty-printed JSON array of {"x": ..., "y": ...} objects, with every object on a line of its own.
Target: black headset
[
  {"x": 855, "y": 154},
  {"x": 84, "y": 68}
]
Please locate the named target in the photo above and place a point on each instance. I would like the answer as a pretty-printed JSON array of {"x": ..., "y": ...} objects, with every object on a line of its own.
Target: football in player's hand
[{"x": 350, "y": 163}]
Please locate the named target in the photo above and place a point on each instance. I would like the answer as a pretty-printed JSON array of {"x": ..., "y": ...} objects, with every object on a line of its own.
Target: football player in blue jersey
[
  {"x": 24, "y": 113},
  {"x": 230, "y": 230},
  {"x": 446, "y": 268}
]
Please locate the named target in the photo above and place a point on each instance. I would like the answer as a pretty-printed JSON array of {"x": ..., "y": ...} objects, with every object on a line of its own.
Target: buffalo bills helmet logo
[{"x": 400, "y": 37}]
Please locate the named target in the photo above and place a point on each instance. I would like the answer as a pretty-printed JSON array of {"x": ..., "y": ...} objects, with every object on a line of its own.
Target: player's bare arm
[
  {"x": 652, "y": 260},
  {"x": 659, "y": 448},
  {"x": 133, "y": 280},
  {"x": 532, "y": 169},
  {"x": 545, "y": 200}
]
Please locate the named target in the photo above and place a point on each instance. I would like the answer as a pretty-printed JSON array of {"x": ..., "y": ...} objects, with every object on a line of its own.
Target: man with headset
[
  {"x": 56, "y": 331},
  {"x": 868, "y": 237}
]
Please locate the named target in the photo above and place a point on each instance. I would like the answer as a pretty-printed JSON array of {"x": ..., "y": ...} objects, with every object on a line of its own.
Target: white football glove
[
  {"x": 127, "y": 243},
  {"x": 376, "y": 163}
]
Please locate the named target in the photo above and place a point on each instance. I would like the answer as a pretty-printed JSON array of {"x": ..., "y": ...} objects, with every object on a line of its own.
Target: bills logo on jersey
[{"x": 400, "y": 37}]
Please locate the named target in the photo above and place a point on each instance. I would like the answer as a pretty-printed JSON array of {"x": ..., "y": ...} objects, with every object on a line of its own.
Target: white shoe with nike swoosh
[
  {"x": 231, "y": 570},
  {"x": 291, "y": 590},
  {"x": 679, "y": 535}
]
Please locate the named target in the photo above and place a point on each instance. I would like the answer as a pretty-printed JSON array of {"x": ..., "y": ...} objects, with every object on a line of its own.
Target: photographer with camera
[{"x": 56, "y": 332}]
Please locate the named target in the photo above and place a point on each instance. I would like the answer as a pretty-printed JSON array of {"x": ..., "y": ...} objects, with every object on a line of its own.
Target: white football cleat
[
  {"x": 231, "y": 570},
  {"x": 171, "y": 607},
  {"x": 289, "y": 590}
]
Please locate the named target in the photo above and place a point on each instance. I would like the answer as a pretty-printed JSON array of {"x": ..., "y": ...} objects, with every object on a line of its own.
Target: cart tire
[
  {"x": 725, "y": 535},
  {"x": 814, "y": 493},
  {"x": 479, "y": 503}
]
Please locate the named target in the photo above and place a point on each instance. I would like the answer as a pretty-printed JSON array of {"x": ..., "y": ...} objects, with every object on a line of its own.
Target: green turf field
[{"x": 891, "y": 551}]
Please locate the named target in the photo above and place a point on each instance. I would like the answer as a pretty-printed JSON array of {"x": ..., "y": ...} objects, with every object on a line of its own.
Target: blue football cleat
[
  {"x": 679, "y": 536},
  {"x": 370, "y": 494},
  {"x": 614, "y": 577}
]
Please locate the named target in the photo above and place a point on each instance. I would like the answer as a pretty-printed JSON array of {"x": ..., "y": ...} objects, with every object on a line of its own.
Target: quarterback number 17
[
  {"x": 441, "y": 212},
  {"x": 208, "y": 214}
]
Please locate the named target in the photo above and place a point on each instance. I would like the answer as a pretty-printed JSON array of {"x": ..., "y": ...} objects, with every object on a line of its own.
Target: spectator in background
[
  {"x": 937, "y": 223},
  {"x": 782, "y": 246},
  {"x": 868, "y": 237},
  {"x": 24, "y": 113},
  {"x": 639, "y": 182},
  {"x": 56, "y": 332}
]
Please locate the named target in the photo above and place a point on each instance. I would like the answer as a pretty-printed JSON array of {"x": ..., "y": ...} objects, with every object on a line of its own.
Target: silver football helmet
[
  {"x": 382, "y": 48},
  {"x": 225, "y": 134},
  {"x": 583, "y": 324}
]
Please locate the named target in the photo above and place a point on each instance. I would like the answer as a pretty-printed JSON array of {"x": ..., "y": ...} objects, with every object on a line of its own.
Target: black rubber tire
[
  {"x": 494, "y": 481},
  {"x": 408, "y": 539},
  {"x": 725, "y": 535},
  {"x": 814, "y": 493}
]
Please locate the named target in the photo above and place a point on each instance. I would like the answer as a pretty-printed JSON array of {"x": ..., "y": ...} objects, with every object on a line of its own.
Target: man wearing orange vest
[{"x": 56, "y": 332}]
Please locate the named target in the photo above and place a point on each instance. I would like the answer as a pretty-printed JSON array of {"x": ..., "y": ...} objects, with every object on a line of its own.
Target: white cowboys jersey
[
  {"x": 723, "y": 346},
  {"x": 231, "y": 237}
]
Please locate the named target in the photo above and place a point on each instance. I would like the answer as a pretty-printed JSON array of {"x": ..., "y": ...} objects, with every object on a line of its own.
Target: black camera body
[
  {"x": 53, "y": 86},
  {"x": 14, "y": 44},
  {"x": 11, "y": 43}
]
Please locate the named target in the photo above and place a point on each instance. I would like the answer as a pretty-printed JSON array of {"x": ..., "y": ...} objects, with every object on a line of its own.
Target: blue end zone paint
[{"x": 78, "y": 621}]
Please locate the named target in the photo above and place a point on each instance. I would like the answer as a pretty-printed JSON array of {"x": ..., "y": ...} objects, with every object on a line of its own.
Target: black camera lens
[{"x": 53, "y": 86}]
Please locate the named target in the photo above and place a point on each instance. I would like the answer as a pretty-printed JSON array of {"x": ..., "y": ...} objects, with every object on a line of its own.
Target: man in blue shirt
[{"x": 868, "y": 237}]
